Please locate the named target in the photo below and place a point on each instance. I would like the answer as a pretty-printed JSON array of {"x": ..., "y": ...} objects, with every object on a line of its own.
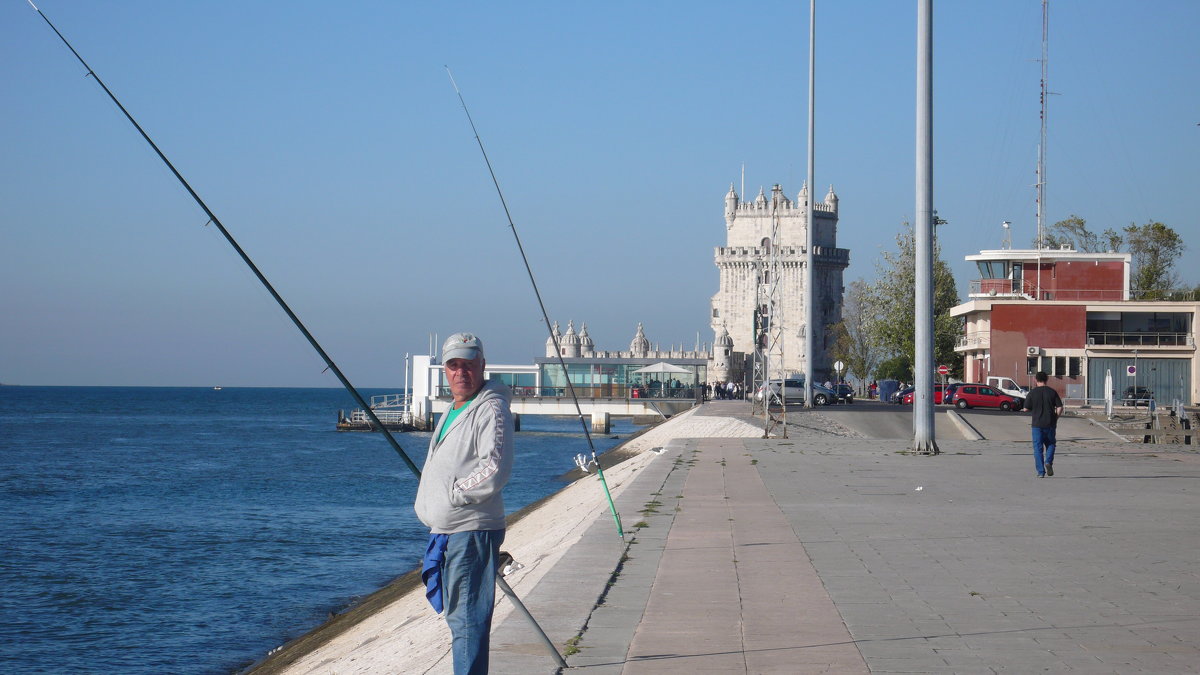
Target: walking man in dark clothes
[{"x": 1046, "y": 406}]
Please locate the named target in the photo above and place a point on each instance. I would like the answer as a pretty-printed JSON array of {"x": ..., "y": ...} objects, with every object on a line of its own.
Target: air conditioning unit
[{"x": 1033, "y": 351}]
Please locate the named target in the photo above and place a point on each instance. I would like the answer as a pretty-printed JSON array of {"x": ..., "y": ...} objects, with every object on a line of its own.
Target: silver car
[{"x": 793, "y": 392}]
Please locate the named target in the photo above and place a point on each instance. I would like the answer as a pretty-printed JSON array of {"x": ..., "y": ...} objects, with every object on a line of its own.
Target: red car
[
  {"x": 981, "y": 395},
  {"x": 907, "y": 399}
]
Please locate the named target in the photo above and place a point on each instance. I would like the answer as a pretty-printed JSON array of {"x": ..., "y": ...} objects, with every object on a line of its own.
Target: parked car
[
  {"x": 938, "y": 392},
  {"x": 898, "y": 397},
  {"x": 844, "y": 392},
  {"x": 793, "y": 392},
  {"x": 1136, "y": 396},
  {"x": 975, "y": 395},
  {"x": 823, "y": 395}
]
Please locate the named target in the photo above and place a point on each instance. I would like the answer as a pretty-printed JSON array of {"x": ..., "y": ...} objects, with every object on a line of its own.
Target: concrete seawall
[{"x": 394, "y": 630}]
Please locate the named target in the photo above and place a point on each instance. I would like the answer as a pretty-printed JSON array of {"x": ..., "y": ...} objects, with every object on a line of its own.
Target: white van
[{"x": 1010, "y": 387}]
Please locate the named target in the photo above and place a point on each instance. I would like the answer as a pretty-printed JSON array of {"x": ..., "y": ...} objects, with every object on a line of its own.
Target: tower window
[{"x": 716, "y": 313}]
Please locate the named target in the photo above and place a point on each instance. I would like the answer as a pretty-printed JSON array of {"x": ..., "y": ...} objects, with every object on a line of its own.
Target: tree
[
  {"x": 897, "y": 368},
  {"x": 892, "y": 326},
  {"x": 852, "y": 341},
  {"x": 1074, "y": 232},
  {"x": 1155, "y": 248}
]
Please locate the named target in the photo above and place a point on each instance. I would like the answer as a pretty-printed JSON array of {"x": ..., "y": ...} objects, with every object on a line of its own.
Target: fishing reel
[
  {"x": 508, "y": 565},
  {"x": 584, "y": 462}
]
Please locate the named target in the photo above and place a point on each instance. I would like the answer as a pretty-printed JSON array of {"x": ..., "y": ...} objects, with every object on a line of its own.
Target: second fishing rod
[{"x": 558, "y": 351}]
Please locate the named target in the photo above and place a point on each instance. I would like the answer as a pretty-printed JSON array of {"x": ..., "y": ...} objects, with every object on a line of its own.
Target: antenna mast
[{"x": 1041, "y": 167}]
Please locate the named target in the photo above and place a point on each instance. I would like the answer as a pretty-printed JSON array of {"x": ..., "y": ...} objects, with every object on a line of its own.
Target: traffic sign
[
  {"x": 1131, "y": 370},
  {"x": 839, "y": 366},
  {"x": 943, "y": 370}
]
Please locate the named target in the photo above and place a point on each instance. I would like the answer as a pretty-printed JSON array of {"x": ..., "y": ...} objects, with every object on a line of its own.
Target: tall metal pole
[
  {"x": 923, "y": 435},
  {"x": 810, "y": 332},
  {"x": 1041, "y": 167}
]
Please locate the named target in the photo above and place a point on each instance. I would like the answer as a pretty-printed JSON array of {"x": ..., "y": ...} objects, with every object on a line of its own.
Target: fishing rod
[
  {"x": 212, "y": 218},
  {"x": 295, "y": 319},
  {"x": 545, "y": 316}
]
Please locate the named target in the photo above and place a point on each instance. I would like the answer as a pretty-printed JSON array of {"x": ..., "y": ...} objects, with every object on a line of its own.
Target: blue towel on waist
[{"x": 431, "y": 569}]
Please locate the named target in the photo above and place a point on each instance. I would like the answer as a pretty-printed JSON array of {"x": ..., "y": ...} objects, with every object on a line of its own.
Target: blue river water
[{"x": 190, "y": 530}]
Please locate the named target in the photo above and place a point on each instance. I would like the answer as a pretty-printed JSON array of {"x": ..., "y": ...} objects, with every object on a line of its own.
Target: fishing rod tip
[{"x": 35, "y": 7}]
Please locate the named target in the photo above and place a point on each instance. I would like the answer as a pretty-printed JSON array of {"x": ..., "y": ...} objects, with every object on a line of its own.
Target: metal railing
[
  {"x": 1027, "y": 290},
  {"x": 385, "y": 416},
  {"x": 385, "y": 401},
  {"x": 974, "y": 341},
  {"x": 1140, "y": 339},
  {"x": 585, "y": 391},
  {"x": 389, "y": 408}
]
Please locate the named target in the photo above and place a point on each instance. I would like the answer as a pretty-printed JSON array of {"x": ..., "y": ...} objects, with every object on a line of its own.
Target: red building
[{"x": 1069, "y": 313}]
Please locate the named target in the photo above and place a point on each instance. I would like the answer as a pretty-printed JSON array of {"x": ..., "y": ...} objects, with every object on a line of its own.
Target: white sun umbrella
[{"x": 661, "y": 367}]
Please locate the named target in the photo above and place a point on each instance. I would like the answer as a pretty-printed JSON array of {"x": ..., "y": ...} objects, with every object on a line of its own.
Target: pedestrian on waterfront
[
  {"x": 1046, "y": 407},
  {"x": 459, "y": 498}
]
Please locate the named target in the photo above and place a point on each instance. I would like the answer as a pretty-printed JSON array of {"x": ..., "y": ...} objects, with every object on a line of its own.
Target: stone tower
[{"x": 741, "y": 266}]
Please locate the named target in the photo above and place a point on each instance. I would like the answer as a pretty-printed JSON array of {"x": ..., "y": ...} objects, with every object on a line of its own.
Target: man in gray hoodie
[{"x": 459, "y": 498}]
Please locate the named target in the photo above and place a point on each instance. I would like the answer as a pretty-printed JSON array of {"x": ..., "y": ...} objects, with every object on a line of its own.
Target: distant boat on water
[{"x": 216, "y": 389}]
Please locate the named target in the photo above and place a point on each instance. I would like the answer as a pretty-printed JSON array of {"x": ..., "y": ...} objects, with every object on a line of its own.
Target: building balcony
[
  {"x": 1140, "y": 340},
  {"x": 973, "y": 341},
  {"x": 1026, "y": 290},
  {"x": 1010, "y": 289}
]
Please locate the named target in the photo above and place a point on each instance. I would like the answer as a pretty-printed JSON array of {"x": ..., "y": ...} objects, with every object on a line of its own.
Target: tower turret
[
  {"x": 640, "y": 346},
  {"x": 722, "y": 351},
  {"x": 831, "y": 198},
  {"x": 778, "y": 201},
  {"x": 760, "y": 202},
  {"x": 587, "y": 348},
  {"x": 570, "y": 342},
  {"x": 552, "y": 342},
  {"x": 731, "y": 204}
]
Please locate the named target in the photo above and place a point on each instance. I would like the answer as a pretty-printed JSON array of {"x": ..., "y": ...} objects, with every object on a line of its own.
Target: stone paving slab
[{"x": 966, "y": 562}]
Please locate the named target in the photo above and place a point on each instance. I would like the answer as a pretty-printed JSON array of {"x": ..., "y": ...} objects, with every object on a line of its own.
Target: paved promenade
[{"x": 820, "y": 553}]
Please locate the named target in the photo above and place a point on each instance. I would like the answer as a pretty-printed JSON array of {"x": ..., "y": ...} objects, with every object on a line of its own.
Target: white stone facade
[
  {"x": 581, "y": 346},
  {"x": 741, "y": 264}
]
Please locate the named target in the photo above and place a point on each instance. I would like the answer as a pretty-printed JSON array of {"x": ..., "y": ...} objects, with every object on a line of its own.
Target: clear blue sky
[{"x": 327, "y": 137}]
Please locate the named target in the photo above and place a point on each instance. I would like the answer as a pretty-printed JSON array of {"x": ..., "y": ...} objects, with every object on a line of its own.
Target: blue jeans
[
  {"x": 1043, "y": 437},
  {"x": 469, "y": 593}
]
